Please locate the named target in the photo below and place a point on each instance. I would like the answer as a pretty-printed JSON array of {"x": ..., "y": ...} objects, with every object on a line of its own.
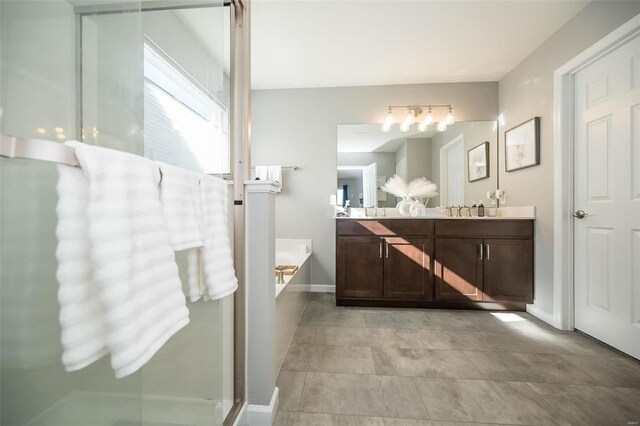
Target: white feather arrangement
[
  {"x": 422, "y": 188},
  {"x": 417, "y": 188}
]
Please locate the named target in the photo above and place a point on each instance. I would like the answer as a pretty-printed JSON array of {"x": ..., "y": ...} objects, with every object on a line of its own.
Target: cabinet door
[
  {"x": 408, "y": 270},
  {"x": 359, "y": 267},
  {"x": 458, "y": 269},
  {"x": 508, "y": 270}
]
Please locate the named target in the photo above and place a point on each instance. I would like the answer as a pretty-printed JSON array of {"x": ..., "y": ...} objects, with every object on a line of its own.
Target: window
[{"x": 184, "y": 124}]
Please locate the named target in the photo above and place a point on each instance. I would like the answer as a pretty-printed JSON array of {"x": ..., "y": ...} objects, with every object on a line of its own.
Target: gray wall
[
  {"x": 526, "y": 92},
  {"x": 413, "y": 160},
  {"x": 418, "y": 158},
  {"x": 299, "y": 126},
  {"x": 474, "y": 133}
]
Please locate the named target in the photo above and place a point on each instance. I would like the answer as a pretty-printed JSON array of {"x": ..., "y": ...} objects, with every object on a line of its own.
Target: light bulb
[
  {"x": 442, "y": 126},
  {"x": 429, "y": 118},
  {"x": 388, "y": 120},
  {"x": 449, "y": 118},
  {"x": 404, "y": 127},
  {"x": 423, "y": 126},
  {"x": 409, "y": 118}
]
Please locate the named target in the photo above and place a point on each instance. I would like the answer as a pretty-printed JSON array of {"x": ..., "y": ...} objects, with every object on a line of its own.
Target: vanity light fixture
[
  {"x": 426, "y": 122},
  {"x": 413, "y": 115},
  {"x": 409, "y": 119},
  {"x": 388, "y": 121},
  {"x": 449, "y": 118}
]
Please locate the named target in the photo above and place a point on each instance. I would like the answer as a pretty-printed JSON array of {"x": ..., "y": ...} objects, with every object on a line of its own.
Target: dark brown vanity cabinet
[
  {"x": 378, "y": 267},
  {"x": 489, "y": 270},
  {"x": 408, "y": 272},
  {"x": 435, "y": 263},
  {"x": 458, "y": 269},
  {"x": 359, "y": 267},
  {"x": 515, "y": 282}
]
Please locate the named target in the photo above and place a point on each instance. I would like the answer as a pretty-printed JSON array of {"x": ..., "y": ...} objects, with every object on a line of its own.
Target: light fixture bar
[
  {"x": 420, "y": 106},
  {"x": 413, "y": 114}
]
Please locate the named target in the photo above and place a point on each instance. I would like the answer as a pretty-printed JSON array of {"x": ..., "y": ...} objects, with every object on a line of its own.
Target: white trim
[
  {"x": 263, "y": 414},
  {"x": 266, "y": 186},
  {"x": 322, "y": 288},
  {"x": 541, "y": 314},
  {"x": 563, "y": 286},
  {"x": 443, "y": 167}
]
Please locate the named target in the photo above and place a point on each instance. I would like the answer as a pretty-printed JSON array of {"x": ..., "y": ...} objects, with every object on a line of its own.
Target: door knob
[{"x": 580, "y": 214}]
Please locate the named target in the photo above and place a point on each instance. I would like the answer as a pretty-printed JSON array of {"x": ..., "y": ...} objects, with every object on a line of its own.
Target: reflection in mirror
[{"x": 462, "y": 161}]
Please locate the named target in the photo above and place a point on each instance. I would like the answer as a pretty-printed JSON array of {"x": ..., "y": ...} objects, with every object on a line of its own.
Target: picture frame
[
  {"x": 478, "y": 162},
  {"x": 522, "y": 145}
]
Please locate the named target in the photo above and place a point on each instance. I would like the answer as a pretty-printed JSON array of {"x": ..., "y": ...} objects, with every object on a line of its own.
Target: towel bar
[{"x": 37, "y": 149}]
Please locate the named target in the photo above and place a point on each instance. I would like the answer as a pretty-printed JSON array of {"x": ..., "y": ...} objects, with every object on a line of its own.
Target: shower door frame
[{"x": 239, "y": 129}]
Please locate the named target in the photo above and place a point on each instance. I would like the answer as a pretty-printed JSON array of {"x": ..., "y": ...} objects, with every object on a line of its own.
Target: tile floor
[{"x": 376, "y": 366}]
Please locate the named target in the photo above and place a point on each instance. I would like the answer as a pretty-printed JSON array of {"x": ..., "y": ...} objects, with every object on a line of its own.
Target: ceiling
[{"x": 299, "y": 43}]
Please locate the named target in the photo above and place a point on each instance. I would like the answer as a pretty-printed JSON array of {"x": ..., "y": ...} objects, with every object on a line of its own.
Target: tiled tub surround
[{"x": 381, "y": 366}]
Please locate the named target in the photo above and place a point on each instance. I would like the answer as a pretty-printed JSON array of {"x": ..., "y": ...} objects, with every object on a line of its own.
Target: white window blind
[{"x": 183, "y": 124}]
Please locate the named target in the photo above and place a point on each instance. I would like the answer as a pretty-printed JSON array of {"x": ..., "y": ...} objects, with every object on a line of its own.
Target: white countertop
[{"x": 502, "y": 213}]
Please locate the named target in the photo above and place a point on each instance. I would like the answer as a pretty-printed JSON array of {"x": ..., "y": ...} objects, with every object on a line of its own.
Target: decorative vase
[
  {"x": 404, "y": 206},
  {"x": 417, "y": 209}
]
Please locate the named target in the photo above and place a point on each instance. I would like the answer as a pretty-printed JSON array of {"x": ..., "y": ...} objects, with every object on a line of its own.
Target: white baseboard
[
  {"x": 263, "y": 415},
  {"x": 543, "y": 315},
  {"x": 323, "y": 288}
]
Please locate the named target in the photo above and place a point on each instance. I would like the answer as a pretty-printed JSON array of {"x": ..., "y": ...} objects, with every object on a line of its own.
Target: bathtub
[
  {"x": 292, "y": 296},
  {"x": 290, "y": 258}
]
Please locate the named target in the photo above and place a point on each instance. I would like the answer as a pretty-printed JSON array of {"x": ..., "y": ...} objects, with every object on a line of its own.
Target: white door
[
  {"x": 607, "y": 188},
  {"x": 452, "y": 178},
  {"x": 369, "y": 185}
]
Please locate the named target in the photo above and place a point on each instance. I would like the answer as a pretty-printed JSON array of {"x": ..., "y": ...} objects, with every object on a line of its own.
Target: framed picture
[
  {"x": 522, "y": 145},
  {"x": 478, "y": 162}
]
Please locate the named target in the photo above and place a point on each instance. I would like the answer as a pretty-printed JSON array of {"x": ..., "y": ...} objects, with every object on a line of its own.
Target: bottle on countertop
[
  {"x": 347, "y": 207},
  {"x": 480, "y": 209},
  {"x": 474, "y": 210}
]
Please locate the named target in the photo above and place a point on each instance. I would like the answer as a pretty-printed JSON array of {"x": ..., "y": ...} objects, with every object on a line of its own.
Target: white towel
[
  {"x": 270, "y": 173},
  {"x": 131, "y": 264},
  {"x": 84, "y": 338},
  {"x": 211, "y": 271},
  {"x": 181, "y": 205}
]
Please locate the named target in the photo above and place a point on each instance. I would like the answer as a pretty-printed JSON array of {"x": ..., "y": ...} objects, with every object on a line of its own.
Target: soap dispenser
[
  {"x": 480, "y": 209},
  {"x": 474, "y": 210},
  {"x": 347, "y": 207}
]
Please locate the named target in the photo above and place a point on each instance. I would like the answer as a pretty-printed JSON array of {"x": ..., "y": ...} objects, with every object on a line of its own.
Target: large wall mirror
[{"x": 462, "y": 161}]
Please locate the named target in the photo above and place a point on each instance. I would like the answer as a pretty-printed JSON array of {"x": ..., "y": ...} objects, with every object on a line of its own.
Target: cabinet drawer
[
  {"x": 385, "y": 227},
  {"x": 476, "y": 228}
]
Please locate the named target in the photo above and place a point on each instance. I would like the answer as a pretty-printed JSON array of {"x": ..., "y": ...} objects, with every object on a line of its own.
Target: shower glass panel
[
  {"x": 39, "y": 99},
  {"x": 153, "y": 82}
]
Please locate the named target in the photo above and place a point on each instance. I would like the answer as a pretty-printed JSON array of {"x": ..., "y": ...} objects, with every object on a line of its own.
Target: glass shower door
[{"x": 39, "y": 99}]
